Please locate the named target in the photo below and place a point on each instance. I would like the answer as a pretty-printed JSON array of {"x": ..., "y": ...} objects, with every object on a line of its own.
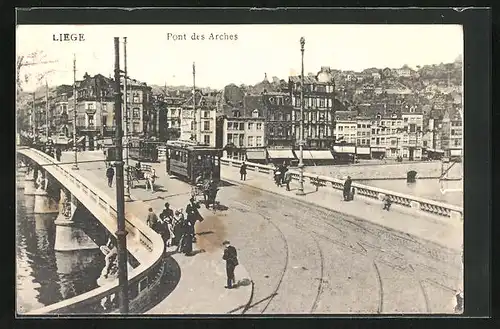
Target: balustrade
[
  {"x": 142, "y": 279},
  {"x": 419, "y": 204}
]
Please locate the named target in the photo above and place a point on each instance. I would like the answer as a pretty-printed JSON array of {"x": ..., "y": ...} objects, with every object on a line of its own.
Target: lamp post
[
  {"x": 75, "y": 148},
  {"x": 301, "y": 142},
  {"x": 126, "y": 130},
  {"x": 121, "y": 233}
]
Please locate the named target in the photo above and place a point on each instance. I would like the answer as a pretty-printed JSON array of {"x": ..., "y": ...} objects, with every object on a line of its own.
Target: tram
[
  {"x": 189, "y": 160},
  {"x": 143, "y": 151}
]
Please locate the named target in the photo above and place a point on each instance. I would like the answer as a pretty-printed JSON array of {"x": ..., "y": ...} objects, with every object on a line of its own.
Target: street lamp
[
  {"x": 301, "y": 142},
  {"x": 75, "y": 149}
]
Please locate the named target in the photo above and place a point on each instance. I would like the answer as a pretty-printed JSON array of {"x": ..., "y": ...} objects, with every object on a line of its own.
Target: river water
[
  {"x": 45, "y": 276},
  {"x": 380, "y": 176}
]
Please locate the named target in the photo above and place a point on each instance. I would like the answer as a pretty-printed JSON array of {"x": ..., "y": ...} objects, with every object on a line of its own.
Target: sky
[{"x": 154, "y": 57}]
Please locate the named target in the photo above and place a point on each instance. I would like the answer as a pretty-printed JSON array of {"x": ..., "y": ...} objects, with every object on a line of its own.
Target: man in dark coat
[
  {"x": 58, "y": 154},
  {"x": 231, "y": 258},
  {"x": 243, "y": 171},
  {"x": 166, "y": 218},
  {"x": 110, "y": 173},
  {"x": 347, "y": 188}
]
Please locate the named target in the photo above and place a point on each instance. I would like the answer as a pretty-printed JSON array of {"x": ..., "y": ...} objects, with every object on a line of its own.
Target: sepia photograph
[{"x": 239, "y": 169}]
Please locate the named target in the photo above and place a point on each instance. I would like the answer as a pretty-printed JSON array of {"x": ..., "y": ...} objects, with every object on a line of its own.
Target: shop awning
[
  {"x": 256, "y": 154},
  {"x": 80, "y": 139},
  {"x": 322, "y": 155},
  {"x": 344, "y": 149},
  {"x": 362, "y": 150},
  {"x": 306, "y": 155},
  {"x": 378, "y": 149},
  {"x": 280, "y": 154},
  {"x": 435, "y": 151}
]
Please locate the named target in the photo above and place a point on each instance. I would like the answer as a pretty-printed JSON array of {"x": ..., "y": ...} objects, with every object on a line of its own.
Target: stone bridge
[{"x": 58, "y": 190}]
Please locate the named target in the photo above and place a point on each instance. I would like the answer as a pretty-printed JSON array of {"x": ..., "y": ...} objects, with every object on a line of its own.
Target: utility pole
[
  {"x": 46, "y": 111},
  {"x": 194, "y": 105},
  {"x": 33, "y": 117},
  {"x": 75, "y": 148},
  {"x": 126, "y": 130},
  {"x": 121, "y": 233},
  {"x": 301, "y": 145}
]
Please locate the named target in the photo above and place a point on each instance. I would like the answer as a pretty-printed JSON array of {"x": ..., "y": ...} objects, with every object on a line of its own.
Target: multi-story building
[
  {"x": 319, "y": 108},
  {"x": 385, "y": 136},
  {"x": 345, "y": 127},
  {"x": 169, "y": 116},
  {"x": 412, "y": 142},
  {"x": 364, "y": 128},
  {"x": 452, "y": 133},
  {"x": 143, "y": 118},
  {"x": 199, "y": 119},
  {"x": 280, "y": 126},
  {"x": 244, "y": 138}
]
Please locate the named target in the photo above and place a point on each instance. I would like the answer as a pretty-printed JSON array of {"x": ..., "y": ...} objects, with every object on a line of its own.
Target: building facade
[
  {"x": 319, "y": 108},
  {"x": 169, "y": 111},
  {"x": 452, "y": 133},
  {"x": 199, "y": 119},
  {"x": 142, "y": 115},
  {"x": 244, "y": 138}
]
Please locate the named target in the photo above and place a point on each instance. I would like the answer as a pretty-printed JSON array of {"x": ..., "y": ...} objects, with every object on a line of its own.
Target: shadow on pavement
[
  {"x": 170, "y": 279},
  {"x": 224, "y": 183}
]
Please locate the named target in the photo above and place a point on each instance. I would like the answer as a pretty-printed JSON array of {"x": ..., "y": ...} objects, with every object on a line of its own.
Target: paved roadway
[{"x": 308, "y": 260}]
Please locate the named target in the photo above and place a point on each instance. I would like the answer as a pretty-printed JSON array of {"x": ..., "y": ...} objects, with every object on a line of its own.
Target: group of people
[
  {"x": 282, "y": 176},
  {"x": 208, "y": 188},
  {"x": 176, "y": 227}
]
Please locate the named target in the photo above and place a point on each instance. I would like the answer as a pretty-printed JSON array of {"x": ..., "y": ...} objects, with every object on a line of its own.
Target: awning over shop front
[
  {"x": 378, "y": 149},
  {"x": 362, "y": 150},
  {"x": 435, "y": 151},
  {"x": 80, "y": 140},
  {"x": 280, "y": 154},
  {"x": 256, "y": 154},
  {"x": 322, "y": 155},
  {"x": 306, "y": 155},
  {"x": 344, "y": 149}
]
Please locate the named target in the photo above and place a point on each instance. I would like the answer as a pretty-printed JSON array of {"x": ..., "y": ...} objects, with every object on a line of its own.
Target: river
[
  {"x": 379, "y": 175},
  {"x": 45, "y": 276}
]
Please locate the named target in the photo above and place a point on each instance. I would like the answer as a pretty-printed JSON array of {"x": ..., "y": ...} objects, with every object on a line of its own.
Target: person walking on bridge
[
  {"x": 288, "y": 179},
  {"x": 243, "y": 171},
  {"x": 110, "y": 173},
  {"x": 231, "y": 257},
  {"x": 58, "y": 154},
  {"x": 347, "y": 189},
  {"x": 152, "y": 220}
]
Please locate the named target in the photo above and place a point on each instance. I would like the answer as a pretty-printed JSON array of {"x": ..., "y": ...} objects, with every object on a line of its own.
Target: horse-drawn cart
[{"x": 145, "y": 173}]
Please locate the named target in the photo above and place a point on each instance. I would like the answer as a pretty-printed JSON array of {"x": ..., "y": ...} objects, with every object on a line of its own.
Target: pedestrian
[
  {"x": 277, "y": 175},
  {"x": 58, "y": 154},
  {"x": 166, "y": 218},
  {"x": 284, "y": 169},
  {"x": 387, "y": 202},
  {"x": 110, "y": 172},
  {"x": 347, "y": 189},
  {"x": 288, "y": 179},
  {"x": 186, "y": 244},
  {"x": 243, "y": 171},
  {"x": 152, "y": 220},
  {"x": 231, "y": 258},
  {"x": 167, "y": 213},
  {"x": 177, "y": 227}
]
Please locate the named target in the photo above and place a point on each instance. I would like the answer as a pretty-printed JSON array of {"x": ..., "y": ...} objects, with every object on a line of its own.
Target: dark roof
[
  {"x": 345, "y": 115},
  {"x": 252, "y": 102},
  {"x": 308, "y": 79}
]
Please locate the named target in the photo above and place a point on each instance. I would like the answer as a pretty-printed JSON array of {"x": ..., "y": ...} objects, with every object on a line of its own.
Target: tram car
[
  {"x": 188, "y": 161},
  {"x": 143, "y": 151}
]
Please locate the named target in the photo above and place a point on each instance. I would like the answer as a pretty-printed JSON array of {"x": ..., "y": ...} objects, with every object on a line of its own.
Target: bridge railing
[
  {"x": 421, "y": 204},
  {"x": 142, "y": 280}
]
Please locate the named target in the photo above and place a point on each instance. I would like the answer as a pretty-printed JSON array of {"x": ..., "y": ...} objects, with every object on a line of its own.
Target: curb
[{"x": 342, "y": 213}]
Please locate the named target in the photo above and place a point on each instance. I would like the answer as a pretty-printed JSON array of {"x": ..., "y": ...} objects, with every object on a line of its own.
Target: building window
[
  {"x": 91, "y": 120},
  {"x": 135, "y": 113},
  {"x": 259, "y": 141},
  {"x": 206, "y": 139},
  {"x": 229, "y": 138},
  {"x": 255, "y": 113},
  {"x": 236, "y": 113},
  {"x": 206, "y": 114},
  {"x": 206, "y": 125},
  {"x": 241, "y": 140},
  {"x": 412, "y": 128},
  {"x": 192, "y": 125},
  {"x": 136, "y": 98},
  {"x": 259, "y": 126},
  {"x": 104, "y": 120},
  {"x": 90, "y": 106},
  {"x": 250, "y": 126},
  {"x": 242, "y": 126},
  {"x": 250, "y": 141},
  {"x": 135, "y": 127}
]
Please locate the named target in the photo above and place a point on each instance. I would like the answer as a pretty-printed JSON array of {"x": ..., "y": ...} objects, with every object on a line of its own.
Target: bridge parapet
[
  {"x": 142, "y": 242},
  {"x": 420, "y": 204}
]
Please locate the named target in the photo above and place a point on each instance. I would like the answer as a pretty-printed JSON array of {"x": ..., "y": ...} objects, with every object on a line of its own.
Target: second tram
[
  {"x": 143, "y": 151},
  {"x": 188, "y": 161}
]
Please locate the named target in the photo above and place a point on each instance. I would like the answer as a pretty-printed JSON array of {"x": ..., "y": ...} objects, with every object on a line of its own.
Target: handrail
[
  {"x": 426, "y": 205},
  {"x": 141, "y": 279}
]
